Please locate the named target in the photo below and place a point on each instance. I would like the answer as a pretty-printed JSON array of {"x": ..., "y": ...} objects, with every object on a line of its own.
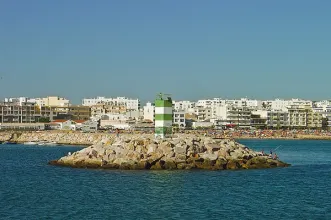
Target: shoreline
[{"x": 74, "y": 138}]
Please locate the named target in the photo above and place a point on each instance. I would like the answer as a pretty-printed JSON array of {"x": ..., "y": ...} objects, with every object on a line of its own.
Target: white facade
[
  {"x": 262, "y": 113},
  {"x": 230, "y": 114},
  {"x": 18, "y": 100},
  {"x": 179, "y": 119},
  {"x": 134, "y": 115},
  {"x": 322, "y": 104},
  {"x": 120, "y": 121},
  {"x": 257, "y": 104},
  {"x": 51, "y": 101},
  {"x": 209, "y": 103},
  {"x": 282, "y": 105},
  {"x": 183, "y": 105},
  {"x": 279, "y": 104},
  {"x": 130, "y": 104},
  {"x": 149, "y": 112},
  {"x": 301, "y": 102},
  {"x": 203, "y": 113},
  {"x": 243, "y": 102}
]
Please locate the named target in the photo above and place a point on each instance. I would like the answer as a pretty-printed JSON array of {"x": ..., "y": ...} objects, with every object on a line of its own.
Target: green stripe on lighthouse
[
  {"x": 165, "y": 117},
  {"x": 163, "y": 103}
]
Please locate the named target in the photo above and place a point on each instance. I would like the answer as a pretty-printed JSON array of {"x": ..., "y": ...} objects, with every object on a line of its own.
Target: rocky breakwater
[
  {"x": 133, "y": 152},
  {"x": 64, "y": 137}
]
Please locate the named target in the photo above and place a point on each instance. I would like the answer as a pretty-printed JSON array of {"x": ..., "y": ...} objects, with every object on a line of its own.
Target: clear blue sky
[{"x": 189, "y": 48}]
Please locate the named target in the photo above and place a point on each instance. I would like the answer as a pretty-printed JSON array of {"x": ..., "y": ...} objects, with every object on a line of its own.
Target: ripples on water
[{"x": 30, "y": 189}]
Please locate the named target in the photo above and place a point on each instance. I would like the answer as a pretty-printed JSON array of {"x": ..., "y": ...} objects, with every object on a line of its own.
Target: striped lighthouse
[{"x": 163, "y": 116}]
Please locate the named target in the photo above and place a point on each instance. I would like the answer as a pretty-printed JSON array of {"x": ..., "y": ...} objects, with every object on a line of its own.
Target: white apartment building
[
  {"x": 130, "y": 104},
  {"x": 203, "y": 113},
  {"x": 208, "y": 103},
  {"x": 278, "y": 119},
  {"x": 50, "y": 101},
  {"x": 18, "y": 100},
  {"x": 243, "y": 102},
  {"x": 256, "y": 104},
  {"x": 149, "y": 112},
  {"x": 301, "y": 102},
  {"x": 179, "y": 119},
  {"x": 282, "y": 105},
  {"x": 297, "y": 116},
  {"x": 328, "y": 116},
  {"x": 120, "y": 121},
  {"x": 322, "y": 104},
  {"x": 229, "y": 114},
  {"x": 183, "y": 105},
  {"x": 279, "y": 104}
]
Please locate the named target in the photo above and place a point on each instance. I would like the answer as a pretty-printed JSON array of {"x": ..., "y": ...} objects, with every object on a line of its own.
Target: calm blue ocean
[{"x": 31, "y": 189}]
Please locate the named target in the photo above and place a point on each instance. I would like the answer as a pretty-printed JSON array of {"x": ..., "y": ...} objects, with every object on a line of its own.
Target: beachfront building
[
  {"x": 277, "y": 119},
  {"x": 259, "y": 119},
  {"x": 163, "y": 116},
  {"x": 322, "y": 110},
  {"x": 314, "y": 119},
  {"x": 130, "y": 104},
  {"x": 230, "y": 115},
  {"x": 328, "y": 117},
  {"x": 282, "y": 105},
  {"x": 298, "y": 116},
  {"x": 32, "y": 113},
  {"x": 18, "y": 112},
  {"x": 203, "y": 113}
]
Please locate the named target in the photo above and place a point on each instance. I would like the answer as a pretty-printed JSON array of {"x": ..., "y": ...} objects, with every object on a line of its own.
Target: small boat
[
  {"x": 9, "y": 142},
  {"x": 50, "y": 143},
  {"x": 30, "y": 143}
]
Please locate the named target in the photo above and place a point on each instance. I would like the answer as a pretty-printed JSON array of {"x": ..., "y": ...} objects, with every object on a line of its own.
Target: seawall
[{"x": 60, "y": 137}]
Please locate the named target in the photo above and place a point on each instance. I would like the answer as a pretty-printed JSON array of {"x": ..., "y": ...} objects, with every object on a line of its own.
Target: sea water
[{"x": 31, "y": 189}]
